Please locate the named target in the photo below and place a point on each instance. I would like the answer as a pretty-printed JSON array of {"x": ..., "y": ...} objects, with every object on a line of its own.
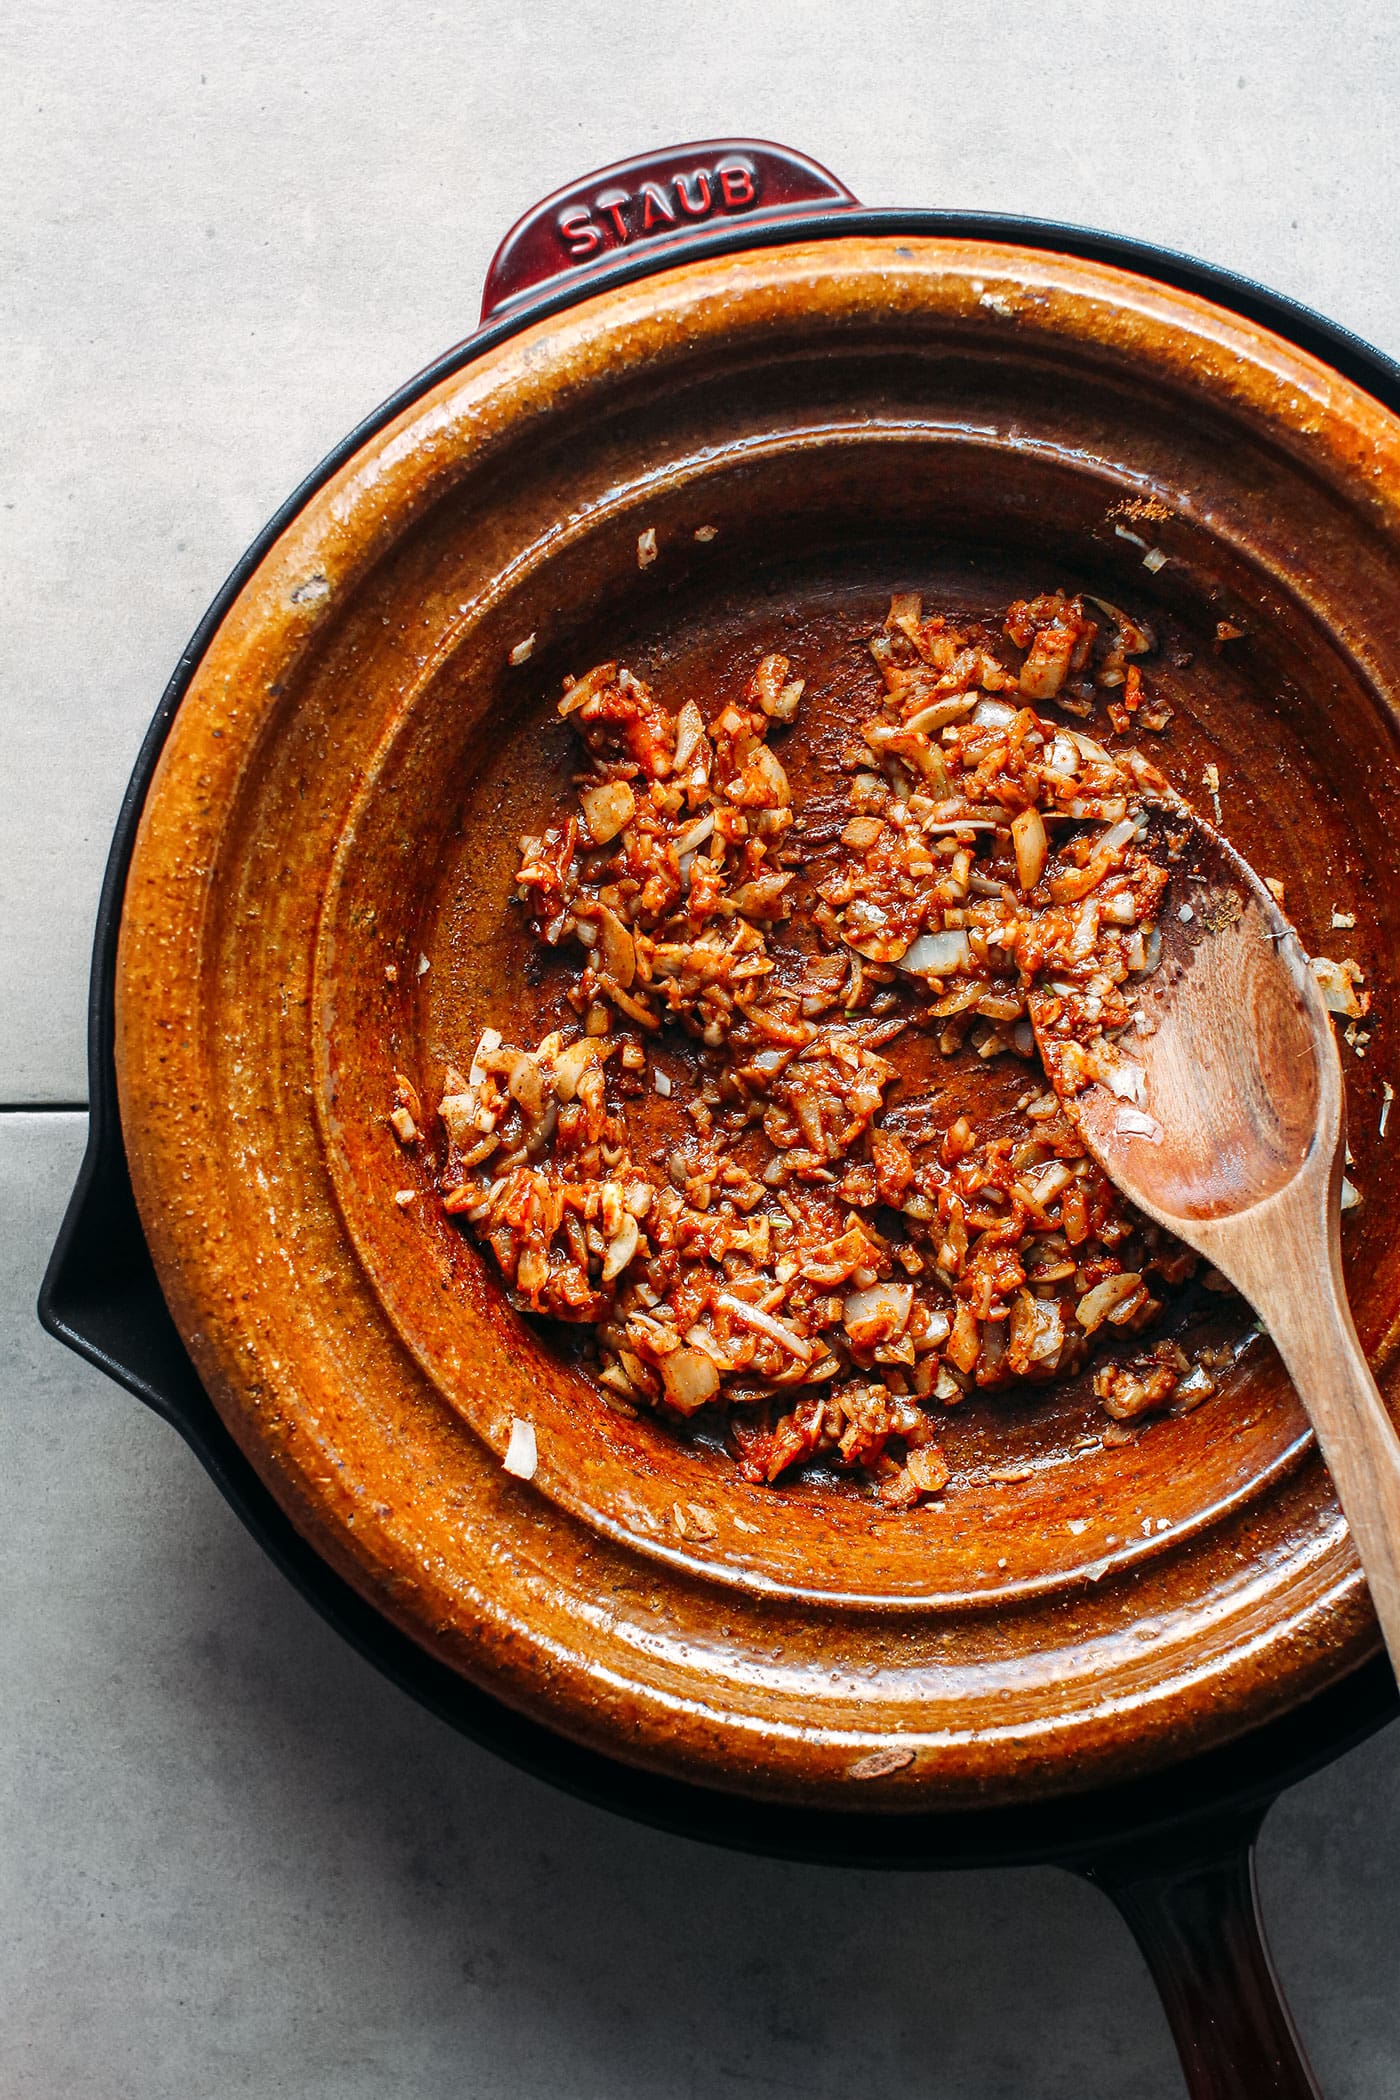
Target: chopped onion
[
  {"x": 1040, "y": 1329},
  {"x": 690, "y": 735},
  {"x": 875, "y": 944},
  {"x": 579, "y": 691},
  {"x": 619, "y": 950},
  {"x": 526, "y": 1084},
  {"x": 621, "y": 1247},
  {"x": 1151, "y": 951},
  {"x": 489, "y": 1039},
  {"x": 763, "y": 1323},
  {"x": 570, "y": 1065},
  {"x": 885, "y": 1304},
  {"x": 696, "y": 834},
  {"x": 1125, "y": 1079},
  {"x": 783, "y": 706},
  {"x": 1045, "y": 668},
  {"x": 522, "y": 1455},
  {"x": 993, "y": 714},
  {"x": 1028, "y": 838},
  {"x": 1136, "y": 636},
  {"x": 763, "y": 897},
  {"x": 1339, "y": 981},
  {"x": 1048, "y": 1182},
  {"x": 690, "y": 1378},
  {"x": 1117, "y": 835},
  {"x": 607, "y": 809},
  {"x": 1062, "y": 757},
  {"x": 939, "y": 713},
  {"x": 1096, "y": 1305},
  {"x": 937, "y": 955}
]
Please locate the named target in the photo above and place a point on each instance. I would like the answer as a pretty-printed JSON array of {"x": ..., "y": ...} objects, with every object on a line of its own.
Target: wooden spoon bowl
[
  {"x": 1243, "y": 1078},
  {"x": 317, "y": 902}
]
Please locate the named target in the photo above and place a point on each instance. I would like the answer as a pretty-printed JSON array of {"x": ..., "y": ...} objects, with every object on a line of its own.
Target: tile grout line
[{"x": 43, "y": 1108}]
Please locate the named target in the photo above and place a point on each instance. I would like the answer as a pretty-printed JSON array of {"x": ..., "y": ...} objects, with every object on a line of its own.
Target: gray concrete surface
[
  {"x": 231, "y": 227},
  {"x": 232, "y": 1861},
  {"x": 235, "y": 1862}
]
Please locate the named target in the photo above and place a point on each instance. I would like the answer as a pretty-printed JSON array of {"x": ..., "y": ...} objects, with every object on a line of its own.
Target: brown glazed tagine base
[{"x": 343, "y": 790}]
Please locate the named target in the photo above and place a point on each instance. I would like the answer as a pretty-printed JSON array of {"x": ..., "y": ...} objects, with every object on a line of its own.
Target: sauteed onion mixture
[{"x": 816, "y": 1259}]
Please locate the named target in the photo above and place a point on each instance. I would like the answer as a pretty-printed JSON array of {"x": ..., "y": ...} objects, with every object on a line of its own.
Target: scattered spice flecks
[{"x": 814, "y": 1259}]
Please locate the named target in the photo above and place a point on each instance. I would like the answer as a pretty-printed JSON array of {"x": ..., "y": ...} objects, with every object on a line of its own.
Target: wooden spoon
[{"x": 1237, "y": 1147}]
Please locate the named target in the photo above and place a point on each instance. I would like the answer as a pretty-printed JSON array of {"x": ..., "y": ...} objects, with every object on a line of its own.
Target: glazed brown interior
[{"x": 344, "y": 790}]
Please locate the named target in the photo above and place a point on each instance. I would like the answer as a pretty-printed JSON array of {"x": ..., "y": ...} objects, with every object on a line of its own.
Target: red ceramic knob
[{"x": 655, "y": 198}]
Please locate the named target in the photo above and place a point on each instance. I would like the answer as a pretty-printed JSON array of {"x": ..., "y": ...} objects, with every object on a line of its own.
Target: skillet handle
[
  {"x": 651, "y": 200},
  {"x": 1196, "y": 1919}
]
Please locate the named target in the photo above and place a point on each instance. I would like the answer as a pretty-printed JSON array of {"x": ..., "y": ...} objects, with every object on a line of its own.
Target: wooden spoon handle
[{"x": 1303, "y": 1304}]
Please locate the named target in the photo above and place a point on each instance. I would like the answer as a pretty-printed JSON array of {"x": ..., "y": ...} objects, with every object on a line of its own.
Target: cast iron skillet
[{"x": 1173, "y": 1850}]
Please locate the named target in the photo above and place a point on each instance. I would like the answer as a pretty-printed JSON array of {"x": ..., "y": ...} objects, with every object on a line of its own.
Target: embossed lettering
[
  {"x": 579, "y": 231},
  {"x": 612, "y": 201},
  {"x": 736, "y": 185},
  {"x": 655, "y": 207},
  {"x": 697, "y": 192},
  {"x": 700, "y": 177}
]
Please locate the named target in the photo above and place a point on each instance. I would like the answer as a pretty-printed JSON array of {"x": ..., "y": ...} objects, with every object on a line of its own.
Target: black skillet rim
[{"x": 101, "y": 1298}]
